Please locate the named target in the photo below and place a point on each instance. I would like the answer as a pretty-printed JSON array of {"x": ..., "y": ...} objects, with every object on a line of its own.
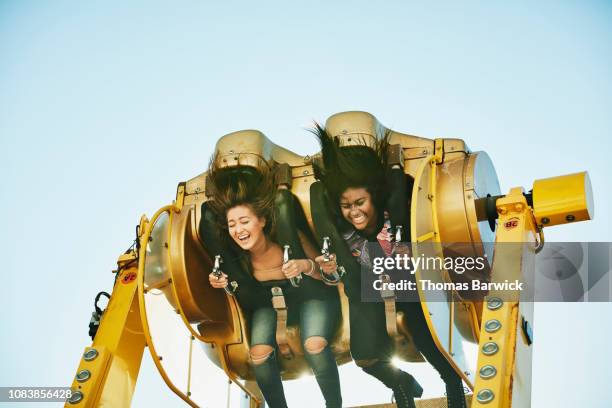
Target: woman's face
[
  {"x": 357, "y": 208},
  {"x": 245, "y": 228}
]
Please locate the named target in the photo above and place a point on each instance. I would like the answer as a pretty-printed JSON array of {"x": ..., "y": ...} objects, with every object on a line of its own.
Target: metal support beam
[{"x": 109, "y": 368}]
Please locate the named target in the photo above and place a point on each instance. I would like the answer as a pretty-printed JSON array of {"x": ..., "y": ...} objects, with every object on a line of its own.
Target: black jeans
[{"x": 316, "y": 318}]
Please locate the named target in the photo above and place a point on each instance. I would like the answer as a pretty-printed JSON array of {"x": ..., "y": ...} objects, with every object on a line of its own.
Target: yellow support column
[
  {"x": 514, "y": 245},
  {"x": 109, "y": 368}
]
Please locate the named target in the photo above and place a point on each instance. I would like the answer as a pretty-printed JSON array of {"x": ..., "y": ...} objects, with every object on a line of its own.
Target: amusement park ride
[{"x": 162, "y": 299}]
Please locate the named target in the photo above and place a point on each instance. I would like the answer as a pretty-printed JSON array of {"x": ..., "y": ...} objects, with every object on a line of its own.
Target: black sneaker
[
  {"x": 406, "y": 391},
  {"x": 455, "y": 395}
]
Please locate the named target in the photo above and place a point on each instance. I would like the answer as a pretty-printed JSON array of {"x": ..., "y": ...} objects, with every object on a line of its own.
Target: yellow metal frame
[
  {"x": 143, "y": 313},
  {"x": 431, "y": 163},
  {"x": 118, "y": 346},
  {"x": 507, "y": 264}
]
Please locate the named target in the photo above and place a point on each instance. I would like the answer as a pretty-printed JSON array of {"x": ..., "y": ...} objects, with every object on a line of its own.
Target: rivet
[
  {"x": 570, "y": 217},
  {"x": 83, "y": 375},
  {"x": 545, "y": 220},
  {"x": 494, "y": 303},
  {"x": 90, "y": 354},
  {"x": 487, "y": 372},
  {"x": 305, "y": 172},
  {"x": 75, "y": 397},
  {"x": 492, "y": 326},
  {"x": 485, "y": 396},
  {"x": 490, "y": 348}
]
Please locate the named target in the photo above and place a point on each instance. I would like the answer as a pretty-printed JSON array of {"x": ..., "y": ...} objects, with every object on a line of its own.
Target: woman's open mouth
[
  {"x": 359, "y": 219},
  {"x": 243, "y": 238}
]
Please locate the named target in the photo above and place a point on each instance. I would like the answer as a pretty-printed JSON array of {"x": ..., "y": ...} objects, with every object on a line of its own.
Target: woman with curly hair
[
  {"x": 355, "y": 179},
  {"x": 243, "y": 201}
]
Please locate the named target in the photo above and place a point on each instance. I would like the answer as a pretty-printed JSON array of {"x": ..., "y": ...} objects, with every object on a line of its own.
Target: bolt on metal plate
[
  {"x": 90, "y": 354},
  {"x": 491, "y": 326},
  {"x": 83, "y": 375},
  {"x": 487, "y": 372},
  {"x": 490, "y": 348},
  {"x": 75, "y": 397},
  {"x": 494, "y": 303},
  {"x": 485, "y": 396}
]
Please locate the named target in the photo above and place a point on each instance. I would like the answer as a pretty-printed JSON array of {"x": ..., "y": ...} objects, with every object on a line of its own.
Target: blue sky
[{"x": 106, "y": 106}]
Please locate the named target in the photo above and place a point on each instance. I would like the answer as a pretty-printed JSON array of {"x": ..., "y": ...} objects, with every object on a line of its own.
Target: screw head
[
  {"x": 545, "y": 220},
  {"x": 490, "y": 348},
  {"x": 485, "y": 396},
  {"x": 75, "y": 397},
  {"x": 487, "y": 372},
  {"x": 90, "y": 354},
  {"x": 493, "y": 325},
  {"x": 570, "y": 218},
  {"x": 494, "y": 303},
  {"x": 83, "y": 375}
]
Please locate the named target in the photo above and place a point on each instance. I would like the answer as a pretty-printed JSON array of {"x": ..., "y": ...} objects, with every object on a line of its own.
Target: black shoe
[
  {"x": 455, "y": 395},
  {"x": 406, "y": 391}
]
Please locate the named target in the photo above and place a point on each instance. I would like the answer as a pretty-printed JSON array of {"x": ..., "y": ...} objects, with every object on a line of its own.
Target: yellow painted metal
[
  {"x": 563, "y": 199},
  {"x": 515, "y": 243},
  {"x": 119, "y": 343},
  {"x": 124, "y": 330},
  {"x": 439, "y": 150},
  {"x": 180, "y": 197},
  {"x": 143, "y": 313},
  {"x": 441, "y": 317}
]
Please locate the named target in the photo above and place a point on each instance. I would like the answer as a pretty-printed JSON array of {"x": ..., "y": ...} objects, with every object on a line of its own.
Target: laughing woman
[
  {"x": 355, "y": 177},
  {"x": 244, "y": 207}
]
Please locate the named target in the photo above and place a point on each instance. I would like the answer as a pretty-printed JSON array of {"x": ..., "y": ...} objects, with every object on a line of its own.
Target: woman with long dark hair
[{"x": 355, "y": 179}]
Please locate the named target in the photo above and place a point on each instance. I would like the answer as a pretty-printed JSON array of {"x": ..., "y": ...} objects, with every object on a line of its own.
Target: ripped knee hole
[
  {"x": 260, "y": 353},
  {"x": 315, "y": 344}
]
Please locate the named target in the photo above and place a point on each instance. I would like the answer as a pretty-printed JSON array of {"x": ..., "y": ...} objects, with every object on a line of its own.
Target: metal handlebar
[
  {"x": 326, "y": 252},
  {"x": 296, "y": 280},
  {"x": 233, "y": 285}
]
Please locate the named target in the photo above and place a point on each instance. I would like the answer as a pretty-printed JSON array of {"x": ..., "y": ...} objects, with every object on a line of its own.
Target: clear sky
[{"x": 106, "y": 106}]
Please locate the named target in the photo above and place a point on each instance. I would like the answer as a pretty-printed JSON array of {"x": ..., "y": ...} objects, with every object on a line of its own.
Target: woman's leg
[
  {"x": 318, "y": 320},
  {"x": 371, "y": 348},
  {"x": 263, "y": 357},
  {"x": 425, "y": 343}
]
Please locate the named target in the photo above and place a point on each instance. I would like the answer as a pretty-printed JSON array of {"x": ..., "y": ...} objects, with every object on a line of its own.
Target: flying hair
[
  {"x": 243, "y": 185},
  {"x": 352, "y": 166}
]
